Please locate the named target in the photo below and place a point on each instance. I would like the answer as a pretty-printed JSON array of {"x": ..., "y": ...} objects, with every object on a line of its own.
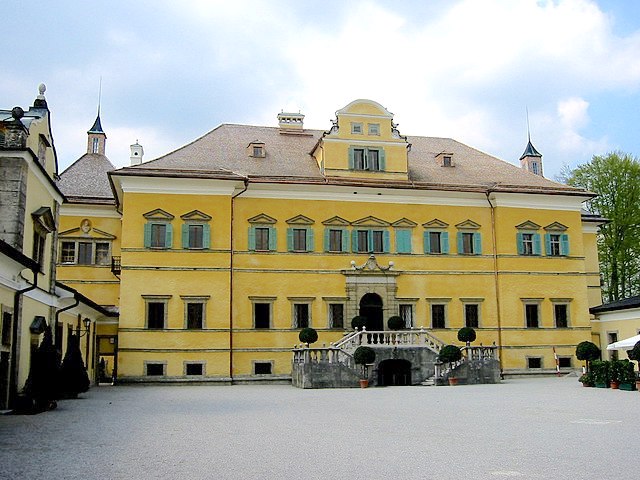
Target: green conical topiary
[{"x": 74, "y": 375}]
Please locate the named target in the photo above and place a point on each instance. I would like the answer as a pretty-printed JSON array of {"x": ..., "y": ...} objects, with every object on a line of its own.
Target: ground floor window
[
  {"x": 153, "y": 369},
  {"x": 564, "y": 362},
  {"x": 194, "y": 368},
  {"x": 534, "y": 362},
  {"x": 263, "y": 368}
]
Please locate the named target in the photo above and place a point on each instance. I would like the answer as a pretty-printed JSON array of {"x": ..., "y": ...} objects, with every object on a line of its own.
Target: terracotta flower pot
[
  {"x": 364, "y": 383},
  {"x": 453, "y": 381},
  {"x": 614, "y": 385}
]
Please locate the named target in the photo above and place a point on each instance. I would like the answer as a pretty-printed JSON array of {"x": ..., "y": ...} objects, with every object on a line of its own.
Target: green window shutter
[
  {"x": 520, "y": 243},
  {"x": 168, "y": 239},
  {"x": 310, "y": 246},
  {"x": 459, "y": 242},
  {"x": 327, "y": 233},
  {"x": 206, "y": 236},
  {"x": 403, "y": 241},
  {"x": 345, "y": 240},
  {"x": 289, "y": 239},
  {"x": 444, "y": 239},
  {"x": 547, "y": 243},
  {"x": 564, "y": 244},
  {"x": 427, "y": 242},
  {"x": 386, "y": 241},
  {"x": 185, "y": 235},
  {"x": 252, "y": 238},
  {"x": 370, "y": 240},
  {"x": 351, "y": 160},
  {"x": 354, "y": 240},
  {"x": 381, "y": 160},
  {"x": 537, "y": 248},
  {"x": 273, "y": 240},
  {"x": 147, "y": 235},
  {"x": 477, "y": 243}
]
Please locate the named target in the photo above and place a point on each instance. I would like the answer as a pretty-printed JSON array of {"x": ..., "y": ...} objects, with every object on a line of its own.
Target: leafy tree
[
  {"x": 74, "y": 375},
  {"x": 308, "y": 335},
  {"x": 362, "y": 356},
  {"x": 615, "y": 178}
]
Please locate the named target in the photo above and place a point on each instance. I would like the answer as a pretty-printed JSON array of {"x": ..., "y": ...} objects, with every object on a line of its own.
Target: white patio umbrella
[{"x": 626, "y": 344}]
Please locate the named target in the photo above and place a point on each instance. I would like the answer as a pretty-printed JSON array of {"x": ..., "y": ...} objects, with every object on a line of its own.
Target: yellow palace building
[{"x": 217, "y": 254}]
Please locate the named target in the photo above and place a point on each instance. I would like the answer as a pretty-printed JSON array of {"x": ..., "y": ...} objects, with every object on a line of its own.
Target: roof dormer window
[
  {"x": 445, "y": 159},
  {"x": 256, "y": 150}
]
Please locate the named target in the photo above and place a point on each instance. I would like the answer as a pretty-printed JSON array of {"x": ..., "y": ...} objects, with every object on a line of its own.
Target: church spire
[
  {"x": 97, "y": 138},
  {"x": 531, "y": 159}
]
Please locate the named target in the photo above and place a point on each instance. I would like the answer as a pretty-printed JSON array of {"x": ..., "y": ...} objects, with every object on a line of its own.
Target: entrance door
[
  {"x": 394, "y": 372},
  {"x": 371, "y": 308}
]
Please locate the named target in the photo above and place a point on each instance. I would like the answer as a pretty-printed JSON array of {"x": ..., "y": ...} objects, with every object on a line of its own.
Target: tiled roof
[
  {"x": 288, "y": 156},
  {"x": 87, "y": 179},
  {"x": 624, "y": 304}
]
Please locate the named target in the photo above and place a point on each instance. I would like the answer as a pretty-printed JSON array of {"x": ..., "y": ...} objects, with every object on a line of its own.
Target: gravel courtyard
[{"x": 546, "y": 428}]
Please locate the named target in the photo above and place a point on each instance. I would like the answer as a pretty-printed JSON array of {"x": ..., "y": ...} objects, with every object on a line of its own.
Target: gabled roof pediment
[
  {"x": 435, "y": 223},
  {"x": 93, "y": 233},
  {"x": 556, "y": 227},
  {"x": 370, "y": 222},
  {"x": 336, "y": 221},
  {"x": 196, "y": 216},
  {"x": 528, "y": 225},
  {"x": 404, "y": 223},
  {"x": 158, "y": 214},
  {"x": 262, "y": 218},
  {"x": 300, "y": 220},
  {"x": 469, "y": 224},
  {"x": 363, "y": 106}
]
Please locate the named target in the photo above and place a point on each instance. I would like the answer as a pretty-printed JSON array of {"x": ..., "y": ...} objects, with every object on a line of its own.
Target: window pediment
[
  {"x": 404, "y": 223},
  {"x": 196, "y": 216},
  {"x": 79, "y": 233},
  {"x": 468, "y": 225},
  {"x": 528, "y": 225},
  {"x": 336, "y": 222},
  {"x": 44, "y": 218},
  {"x": 435, "y": 223},
  {"x": 370, "y": 222},
  {"x": 300, "y": 220},
  {"x": 262, "y": 218},
  {"x": 158, "y": 214},
  {"x": 556, "y": 227}
]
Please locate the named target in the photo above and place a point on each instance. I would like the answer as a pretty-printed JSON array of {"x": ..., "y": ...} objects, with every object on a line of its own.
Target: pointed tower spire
[
  {"x": 531, "y": 159},
  {"x": 97, "y": 140}
]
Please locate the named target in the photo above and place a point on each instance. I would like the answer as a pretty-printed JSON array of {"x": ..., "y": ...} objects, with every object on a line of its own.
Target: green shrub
[
  {"x": 450, "y": 354},
  {"x": 396, "y": 323},
  {"x": 364, "y": 355},
  {"x": 587, "y": 351},
  {"x": 627, "y": 375},
  {"x": 600, "y": 370},
  {"x": 586, "y": 378},
  {"x": 467, "y": 335},
  {"x": 308, "y": 335},
  {"x": 358, "y": 322}
]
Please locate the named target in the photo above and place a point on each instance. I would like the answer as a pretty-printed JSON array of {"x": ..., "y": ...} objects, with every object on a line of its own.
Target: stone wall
[{"x": 13, "y": 198}]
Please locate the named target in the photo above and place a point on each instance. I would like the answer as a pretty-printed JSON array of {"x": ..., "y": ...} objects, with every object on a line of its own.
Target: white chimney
[{"x": 136, "y": 153}]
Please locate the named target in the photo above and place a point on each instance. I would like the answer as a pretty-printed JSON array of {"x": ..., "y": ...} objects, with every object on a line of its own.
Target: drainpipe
[
  {"x": 13, "y": 373},
  {"x": 58, "y": 312},
  {"x": 495, "y": 276},
  {"x": 233, "y": 197}
]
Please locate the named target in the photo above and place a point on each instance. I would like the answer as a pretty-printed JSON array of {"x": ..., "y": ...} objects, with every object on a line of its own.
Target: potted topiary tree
[
  {"x": 588, "y": 352},
  {"x": 396, "y": 323},
  {"x": 358, "y": 322},
  {"x": 627, "y": 376},
  {"x": 586, "y": 379},
  {"x": 364, "y": 356},
  {"x": 467, "y": 335},
  {"x": 450, "y": 354},
  {"x": 308, "y": 335},
  {"x": 616, "y": 372},
  {"x": 634, "y": 354}
]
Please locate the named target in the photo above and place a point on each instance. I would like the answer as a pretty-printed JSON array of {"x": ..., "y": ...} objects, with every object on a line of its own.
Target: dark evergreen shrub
[
  {"x": 308, "y": 335},
  {"x": 43, "y": 385},
  {"x": 364, "y": 355},
  {"x": 587, "y": 351},
  {"x": 450, "y": 354},
  {"x": 467, "y": 335},
  {"x": 358, "y": 322},
  {"x": 396, "y": 323},
  {"x": 74, "y": 375}
]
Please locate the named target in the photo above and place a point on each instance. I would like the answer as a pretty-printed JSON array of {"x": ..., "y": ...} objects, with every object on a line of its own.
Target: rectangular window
[
  {"x": 403, "y": 241},
  {"x": 554, "y": 244},
  {"x": 356, "y": 128},
  {"x": 300, "y": 239},
  {"x": 612, "y": 337},
  {"x": 446, "y": 161},
  {"x": 564, "y": 362},
  {"x": 527, "y": 244},
  {"x": 378, "y": 241},
  {"x": 358, "y": 159},
  {"x": 262, "y": 368},
  {"x": 373, "y": 160},
  {"x": 434, "y": 240},
  {"x": 335, "y": 240},
  {"x": 300, "y": 315},
  {"x": 195, "y": 316},
  {"x": 437, "y": 316},
  {"x": 374, "y": 128},
  {"x": 38, "y": 247},
  {"x": 336, "y": 315},
  {"x": 155, "y": 315},
  {"x": 6, "y": 328},
  {"x": 196, "y": 236},
  {"x": 194, "y": 369},
  {"x": 257, "y": 151},
  {"x": 102, "y": 254},
  {"x": 534, "y": 362},
  {"x": 68, "y": 252},
  {"x": 363, "y": 240},
  {"x": 467, "y": 243},
  {"x": 158, "y": 235},
  {"x": 406, "y": 312},
  {"x": 471, "y": 315},
  {"x": 532, "y": 315},
  {"x": 561, "y": 315},
  {"x": 85, "y": 253},
  {"x": 262, "y": 238},
  {"x": 262, "y": 315},
  {"x": 155, "y": 369}
]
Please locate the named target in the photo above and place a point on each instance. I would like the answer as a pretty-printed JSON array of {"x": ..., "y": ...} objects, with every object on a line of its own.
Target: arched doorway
[
  {"x": 371, "y": 307},
  {"x": 394, "y": 372}
]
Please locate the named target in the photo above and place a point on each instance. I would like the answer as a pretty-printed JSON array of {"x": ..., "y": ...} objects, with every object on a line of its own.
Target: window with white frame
[
  {"x": 374, "y": 128},
  {"x": 85, "y": 252},
  {"x": 262, "y": 312},
  {"x": 301, "y": 311},
  {"x": 405, "y": 311},
  {"x": 336, "y": 315},
  {"x": 356, "y": 128},
  {"x": 366, "y": 158}
]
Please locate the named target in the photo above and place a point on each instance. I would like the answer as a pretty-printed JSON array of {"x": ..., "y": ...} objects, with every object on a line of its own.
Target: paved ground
[{"x": 550, "y": 428}]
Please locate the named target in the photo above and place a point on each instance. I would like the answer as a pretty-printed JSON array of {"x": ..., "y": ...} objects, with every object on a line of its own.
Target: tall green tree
[{"x": 615, "y": 177}]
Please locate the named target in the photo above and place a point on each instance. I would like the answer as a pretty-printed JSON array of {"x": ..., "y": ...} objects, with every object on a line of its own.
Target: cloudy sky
[{"x": 466, "y": 69}]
